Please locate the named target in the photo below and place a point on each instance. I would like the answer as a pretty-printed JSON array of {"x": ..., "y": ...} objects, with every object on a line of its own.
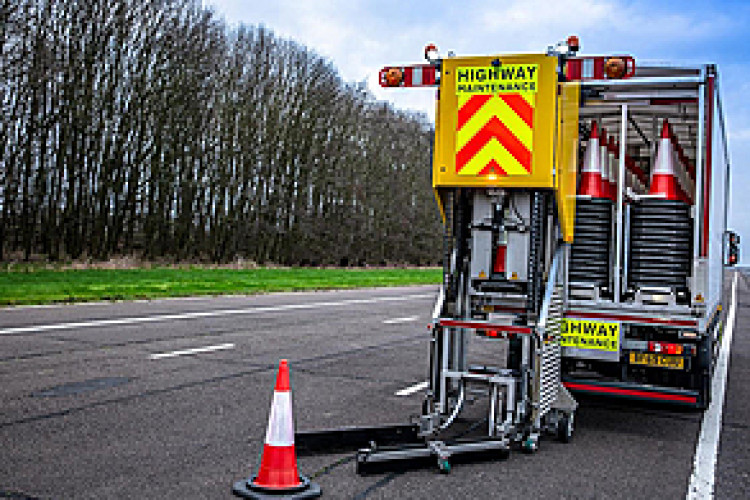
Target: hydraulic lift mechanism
[
  {"x": 533, "y": 293},
  {"x": 504, "y": 174}
]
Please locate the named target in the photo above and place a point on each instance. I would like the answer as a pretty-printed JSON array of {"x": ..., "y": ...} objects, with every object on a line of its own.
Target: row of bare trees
[{"x": 149, "y": 127}]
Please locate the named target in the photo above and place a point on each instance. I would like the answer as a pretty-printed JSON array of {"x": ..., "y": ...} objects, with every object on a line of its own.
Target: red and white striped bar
[
  {"x": 594, "y": 67},
  {"x": 419, "y": 75}
]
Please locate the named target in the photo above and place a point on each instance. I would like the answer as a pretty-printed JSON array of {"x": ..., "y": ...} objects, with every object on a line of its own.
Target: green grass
[{"x": 43, "y": 286}]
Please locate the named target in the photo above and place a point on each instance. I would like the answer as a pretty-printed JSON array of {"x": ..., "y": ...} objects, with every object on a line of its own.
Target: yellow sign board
[
  {"x": 586, "y": 334},
  {"x": 496, "y": 122}
]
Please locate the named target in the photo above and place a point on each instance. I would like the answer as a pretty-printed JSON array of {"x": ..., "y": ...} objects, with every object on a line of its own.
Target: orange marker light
[
  {"x": 614, "y": 68},
  {"x": 393, "y": 77}
]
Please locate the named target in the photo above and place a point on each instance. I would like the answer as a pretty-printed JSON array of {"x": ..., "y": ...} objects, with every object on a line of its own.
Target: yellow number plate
[{"x": 658, "y": 360}]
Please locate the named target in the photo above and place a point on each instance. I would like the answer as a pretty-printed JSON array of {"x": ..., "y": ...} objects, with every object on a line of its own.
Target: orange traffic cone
[
  {"x": 664, "y": 179},
  {"x": 277, "y": 476},
  {"x": 591, "y": 173}
]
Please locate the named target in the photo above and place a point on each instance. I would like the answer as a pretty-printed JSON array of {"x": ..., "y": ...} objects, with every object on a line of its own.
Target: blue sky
[{"x": 361, "y": 36}]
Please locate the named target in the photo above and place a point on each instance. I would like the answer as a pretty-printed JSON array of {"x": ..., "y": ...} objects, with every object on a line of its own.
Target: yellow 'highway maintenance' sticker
[
  {"x": 515, "y": 78},
  {"x": 586, "y": 334}
]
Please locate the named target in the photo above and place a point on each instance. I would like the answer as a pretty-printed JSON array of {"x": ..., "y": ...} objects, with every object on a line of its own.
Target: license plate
[{"x": 657, "y": 360}]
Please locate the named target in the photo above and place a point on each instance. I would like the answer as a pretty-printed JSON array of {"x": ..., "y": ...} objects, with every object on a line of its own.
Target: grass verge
[{"x": 49, "y": 286}]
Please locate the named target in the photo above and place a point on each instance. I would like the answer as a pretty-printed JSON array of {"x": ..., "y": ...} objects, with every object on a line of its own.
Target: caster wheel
[
  {"x": 444, "y": 466},
  {"x": 565, "y": 428},
  {"x": 530, "y": 445}
]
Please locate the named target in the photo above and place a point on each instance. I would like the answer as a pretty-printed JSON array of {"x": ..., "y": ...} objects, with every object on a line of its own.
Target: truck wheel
[
  {"x": 704, "y": 396},
  {"x": 706, "y": 374}
]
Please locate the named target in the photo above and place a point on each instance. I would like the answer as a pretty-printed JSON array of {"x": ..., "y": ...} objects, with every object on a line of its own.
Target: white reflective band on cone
[
  {"x": 280, "y": 430},
  {"x": 664, "y": 159},
  {"x": 591, "y": 159},
  {"x": 604, "y": 163},
  {"x": 614, "y": 169}
]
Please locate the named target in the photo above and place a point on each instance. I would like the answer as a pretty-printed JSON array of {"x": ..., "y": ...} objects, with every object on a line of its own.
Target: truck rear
[{"x": 645, "y": 273}]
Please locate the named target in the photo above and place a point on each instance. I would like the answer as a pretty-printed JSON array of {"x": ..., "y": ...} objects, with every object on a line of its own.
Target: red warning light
[{"x": 574, "y": 45}]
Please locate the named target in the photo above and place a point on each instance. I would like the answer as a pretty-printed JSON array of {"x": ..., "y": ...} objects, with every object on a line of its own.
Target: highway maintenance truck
[{"x": 584, "y": 201}]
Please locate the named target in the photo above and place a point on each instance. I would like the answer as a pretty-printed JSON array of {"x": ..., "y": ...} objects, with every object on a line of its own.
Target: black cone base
[{"x": 246, "y": 489}]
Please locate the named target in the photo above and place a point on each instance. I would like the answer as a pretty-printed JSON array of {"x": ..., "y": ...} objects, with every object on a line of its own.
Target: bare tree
[{"x": 149, "y": 127}]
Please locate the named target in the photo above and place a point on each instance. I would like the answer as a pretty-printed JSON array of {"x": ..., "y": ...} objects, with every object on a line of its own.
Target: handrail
[{"x": 550, "y": 288}]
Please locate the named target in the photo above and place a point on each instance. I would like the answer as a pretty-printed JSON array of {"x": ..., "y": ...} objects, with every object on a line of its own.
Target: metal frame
[
  {"x": 533, "y": 400},
  {"x": 633, "y": 100}
]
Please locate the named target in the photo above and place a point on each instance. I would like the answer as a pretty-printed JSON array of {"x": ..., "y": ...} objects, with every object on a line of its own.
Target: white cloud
[
  {"x": 361, "y": 36},
  {"x": 740, "y": 135}
]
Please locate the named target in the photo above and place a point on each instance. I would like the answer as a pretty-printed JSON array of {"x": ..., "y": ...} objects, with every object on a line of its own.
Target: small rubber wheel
[
  {"x": 530, "y": 445},
  {"x": 565, "y": 428},
  {"x": 444, "y": 466}
]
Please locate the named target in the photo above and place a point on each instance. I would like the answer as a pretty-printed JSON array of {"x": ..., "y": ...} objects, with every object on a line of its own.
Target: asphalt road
[{"x": 87, "y": 413}]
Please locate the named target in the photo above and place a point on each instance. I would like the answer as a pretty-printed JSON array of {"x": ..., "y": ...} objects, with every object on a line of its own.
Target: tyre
[{"x": 565, "y": 428}]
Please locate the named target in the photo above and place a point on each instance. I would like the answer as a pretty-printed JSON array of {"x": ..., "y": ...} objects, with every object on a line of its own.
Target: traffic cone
[
  {"x": 680, "y": 166},
  {"x": 591, "y": 173},
  {"x": 664, "y": 181},
  {"x": 277, "y": 475}
]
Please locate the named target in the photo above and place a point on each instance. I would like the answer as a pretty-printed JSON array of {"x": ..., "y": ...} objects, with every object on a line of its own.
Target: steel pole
[{"x": 620, "y": 192}]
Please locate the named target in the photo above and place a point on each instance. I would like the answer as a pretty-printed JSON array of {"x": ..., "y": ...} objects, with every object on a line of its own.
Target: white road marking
[
  {"x": 196, "y": 350},
  {"x": 413, "y": 388},
  {"x": 400, "y": 320},
  {"x": 204, "y": 314},
  {"x": 704, "y": 464}
]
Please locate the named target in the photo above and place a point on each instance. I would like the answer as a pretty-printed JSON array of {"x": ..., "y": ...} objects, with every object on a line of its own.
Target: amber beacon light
[
  {"x": 614, "y": 68},
  {"x": 394, "y": 77}
]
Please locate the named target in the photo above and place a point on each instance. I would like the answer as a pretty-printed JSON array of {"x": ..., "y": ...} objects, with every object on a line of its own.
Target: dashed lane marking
[
  {"x": 196, "y": 350},
  {"x": 394, "y": 321},
  {"x": 408, "y": 391}
]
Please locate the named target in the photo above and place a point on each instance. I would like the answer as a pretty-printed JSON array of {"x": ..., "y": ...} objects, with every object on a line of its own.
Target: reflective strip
[
  {"x": 494, "y": 134},
  {"x": 664, "y": 159},
  {"x": 416, "y": 76},
  {"x": 591, "y": 159},
  {"x": 280, "y": 430},
  {"x": 614, "y": 168}
]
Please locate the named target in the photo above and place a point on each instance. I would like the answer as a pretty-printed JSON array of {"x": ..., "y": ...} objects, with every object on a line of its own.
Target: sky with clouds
[{"x": 361, "y": 36}]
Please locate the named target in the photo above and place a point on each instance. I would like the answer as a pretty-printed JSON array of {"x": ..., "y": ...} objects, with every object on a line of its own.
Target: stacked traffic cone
[
  {"x": 664, "y": 176},
  {"x": 591, "y": 174},
  {"x": 685, "y": 168},
  {"x": 277, "y": 476}
]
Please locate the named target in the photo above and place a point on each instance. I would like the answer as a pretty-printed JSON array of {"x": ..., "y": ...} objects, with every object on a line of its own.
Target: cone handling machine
[{"x": 606, "y": 281}]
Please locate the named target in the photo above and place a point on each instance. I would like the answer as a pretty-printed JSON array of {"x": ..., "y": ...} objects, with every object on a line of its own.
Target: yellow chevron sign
[{"x": 494, "y": 134}]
